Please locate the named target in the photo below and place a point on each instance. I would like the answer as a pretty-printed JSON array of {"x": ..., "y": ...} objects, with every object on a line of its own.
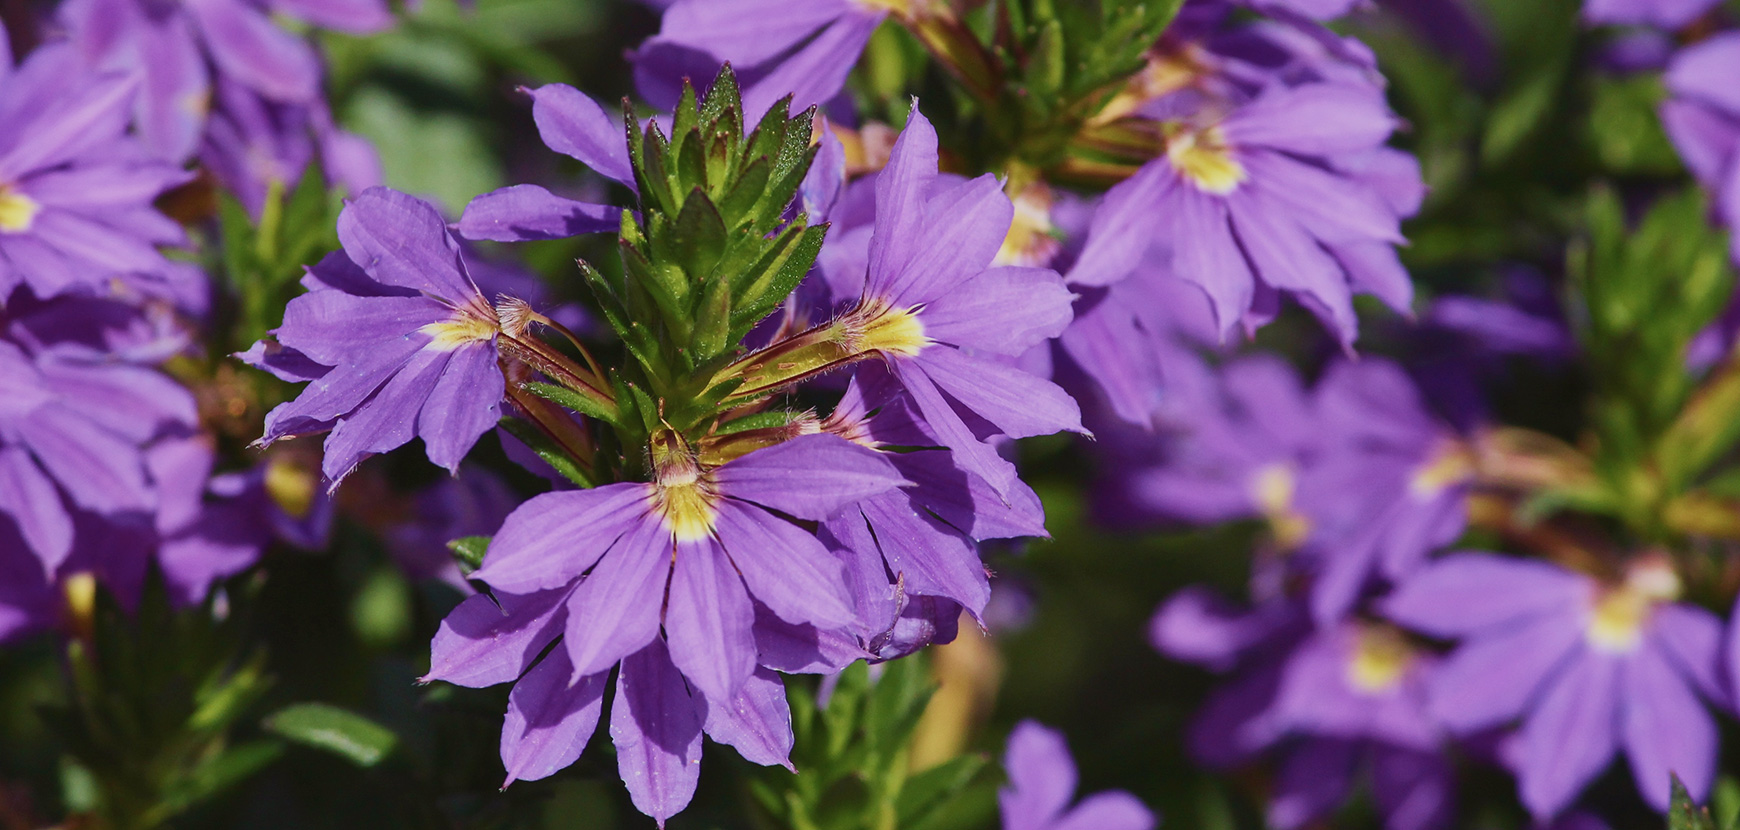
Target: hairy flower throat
[
  {"x": 1381, "y": 657},
  {"x": 1203, "y": 157},
  {"x": 682, "y": 492},
  {"x": 17, "y": 211},
  {"x": 473, "y": 322},
  {"x": 1617, "y": 620}
]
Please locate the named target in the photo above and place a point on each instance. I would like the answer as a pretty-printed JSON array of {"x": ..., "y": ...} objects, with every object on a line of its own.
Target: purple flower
[
  {"x": 74, "y": 423},
  {"x": 1332, "y": 704},
  {"x": 253, "y": 143},
  {"x": 202, "y": 537},
  {"x": 1389, "y": 486},
  {"x": 1587, "y": 668},
  {"x": 179, "y": 48},
  {"x": 693, "y": 583},
  {"x": 1665, "y": 14},
  {"x": 75, "y": 192},
  {"x": 936, "y": 309},
  {"x": 409, "y": 337},
  {"x": 803, "y": 48},
  {"x": 1703, "y": 120},
  {"x": 906, "y": 547},
  {"x": 1042, "y": 781}
]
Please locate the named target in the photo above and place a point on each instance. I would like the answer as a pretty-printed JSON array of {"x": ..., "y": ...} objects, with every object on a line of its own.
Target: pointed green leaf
[{"x": 339, "y": 731}]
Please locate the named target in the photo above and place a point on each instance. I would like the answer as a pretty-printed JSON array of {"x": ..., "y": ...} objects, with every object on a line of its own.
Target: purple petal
[
  {"x": 965, "y": 501},
  {"x": 757, "y": 722},
  {"x": 1286, "y": 257},
  {"x": 1199, "y": 626},
  {"x": 615, "y": 611},
  {"x": 1570, "y": 737},
  {"x": 548, "y": 720},
  {"x": 1020, "y": 404},
  {"x": 555, "y": 537},
  {"x": 575, "y": 125},
  {"x": 175, "y": 73},
  {"x": 385, "y": 421},
  {"x": 971, "y": 454},
  {"x": 481, "y": 644},
  {"x": 1205, "y": 253},
  {"x": 465, "y": 404},
  {"x": 1465, "y": 593},
  {"x": 928, "y": 556},
  {"x": 94, "y": 115},
  {"x": 249, "y": 47},
  {"x": 29, "y": 497},
  {"x": 1041, "y": 777},
  {"x": 1317, "y": 119},
  {"x": 708, "y": 621},
  {"x": 527, "y": 212},
  {"x": 1415, "y": 790},
  {"x": 810, "y": 477},
  {"x": 802, "y": 649},
  {"x": 1119, "y": 235},
  {"x": 900, "y": 203},
  {"x": 1315, "y": 780},
  {"x": 1706, "y": 70},
  {"x": 1667, "y": 731},
  {"x": 1108, "y": 811},
  {"x": 657, "y": 733},
  {"x": 96, "y": 469},
  {"x": 1493, "y": 679},
  {"x": 1002, "y": 310},
  {"x": 1692, "y": 638},
  {"x": 401, "y": 240},
  {"x": 816, "y": 73},
  {"x": 785, "y": 568},
  {"x": 747, "y": 32},
  {"x": 962, "y": 230},
  {"x": 337, "y": 329}
]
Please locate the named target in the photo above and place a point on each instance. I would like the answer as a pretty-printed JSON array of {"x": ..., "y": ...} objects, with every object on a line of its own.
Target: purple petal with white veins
[
  {"x": 757, "y": 722},
  {"x": 901, "y": 187},
  {"x": 555, "y": 536},
  {"x": 810, "y": 477},
  {"x": 334, "y": 328},
  {"x": 708, "y": 621},
  {"x": 481, "y": 644},
  {"x": 527, "y": 212},
  {"x": 548, "y": 720},
  {"x": 657, "y": 732},
  {"x": 785, "y": 568},
  {"x": 962, "y": 229}
]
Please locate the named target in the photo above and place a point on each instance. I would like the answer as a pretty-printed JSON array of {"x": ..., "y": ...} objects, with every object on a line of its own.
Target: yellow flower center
[
  {"x": 1381, "y": 656},
  {"x": 1272, "y": 488},
  {"x": 1203, "y": 157},
  {"x": 1620, "y": 613},
  {"x": 472, "y": 323},
  {"x": 17, "y": 211},
  {"x": 686, "y": 504},
  {"x": 1617, "y": 622},
  {"x": 1032, "y": 239},
  {"x": 894, "y": 6},
  {"x": 891, "y": 331},
  {"x": 1449, "y": 466}
]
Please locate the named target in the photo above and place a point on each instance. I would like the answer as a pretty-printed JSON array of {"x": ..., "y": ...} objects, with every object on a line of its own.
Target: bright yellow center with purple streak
[
  {"x": 471, "y": 323},
  {"x": 1380, "y": 659},
  {"x": 686, "y": 503},
  {"x": 17, "y": 211},
  {"x": 887, "y": 330},
  {"x": 1203, "y": 158}
]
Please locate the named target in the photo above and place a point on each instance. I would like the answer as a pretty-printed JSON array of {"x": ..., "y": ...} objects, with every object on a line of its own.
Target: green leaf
[
  {"x": 469, "y": 550},
  {"x": 571, "y": 399},
  {"x": 339, "y": 731},
  {"x": 926, "y": 791}
]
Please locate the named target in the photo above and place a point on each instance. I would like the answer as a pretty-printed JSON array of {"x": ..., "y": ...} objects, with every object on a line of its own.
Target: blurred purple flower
[
  {"x": 1587, "y": 668},
  {"x": 1665, "y": 14},
  {"x": 76, "y": 192},
  {"x": 410, "y": 338},
  {"x": 1333, "y": 704},
  {"x": 252, "y": 144},
  {"x": 472, "y": 504},
  {"x": 803, "y": 48},
  {"x": 1702, "y": 117},
  {"x": 178, "y": 49},
  {"x": 1042, "y": 780}
]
